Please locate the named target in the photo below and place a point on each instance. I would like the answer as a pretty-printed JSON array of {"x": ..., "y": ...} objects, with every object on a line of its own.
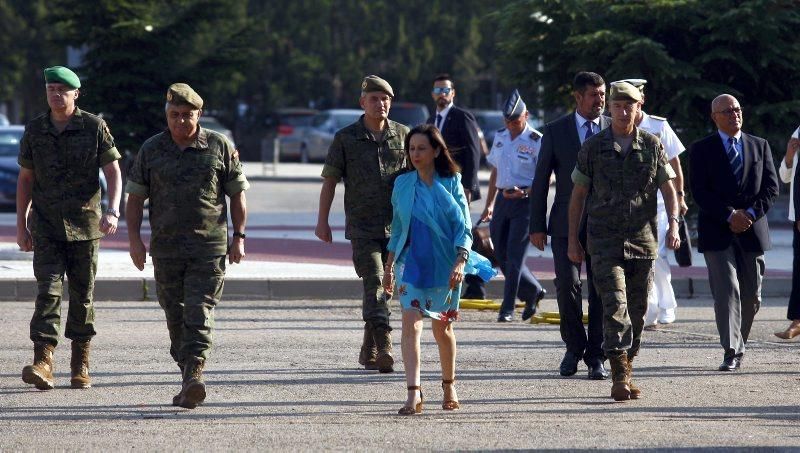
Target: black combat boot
[
  {"x": 194, "y": 389},
  {"x": 369, "y": 352},
  {"x": 40, "y": 374},
  {"x": 79, "y": 366},
  {"x": 620, "y": 388}
]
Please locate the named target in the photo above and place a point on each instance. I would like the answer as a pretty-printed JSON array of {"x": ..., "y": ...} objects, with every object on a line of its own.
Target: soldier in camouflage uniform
[
  {"x": 59, "y": 187},
  {"x": 367, "y": 155},
  {"x": 186, "y": 172},
  {"x": 620, "y": 169}
]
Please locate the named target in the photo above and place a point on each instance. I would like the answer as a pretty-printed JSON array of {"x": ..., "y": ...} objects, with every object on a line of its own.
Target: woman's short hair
[{"x": 444, "y": 163}]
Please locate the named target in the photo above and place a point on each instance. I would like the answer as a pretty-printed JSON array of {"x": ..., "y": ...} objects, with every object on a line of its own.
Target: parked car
[
  {"x": 288, "y": 125},
  {"x": 409, "y": 113},
  {"x": 317, "y": 138},
  {"x": 210, "y": 122},
  {"x": 4, "y": 120},
  {"x": 10, "y": 137}
]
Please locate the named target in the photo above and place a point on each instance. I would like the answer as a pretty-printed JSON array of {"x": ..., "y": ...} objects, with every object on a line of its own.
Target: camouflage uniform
[
  {"x": 65, "y": 219},
  {"x": 189, "y": 229},
  {"x": 622, "y": 240},
  {"x": 368, "y": 169}
]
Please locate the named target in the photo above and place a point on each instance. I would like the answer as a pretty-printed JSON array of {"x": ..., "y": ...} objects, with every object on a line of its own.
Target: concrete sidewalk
[{"x": 283, "y": 376}]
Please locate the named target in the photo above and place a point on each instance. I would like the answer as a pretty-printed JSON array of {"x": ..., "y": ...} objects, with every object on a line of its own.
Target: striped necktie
[{"x": 735, "y": 159}]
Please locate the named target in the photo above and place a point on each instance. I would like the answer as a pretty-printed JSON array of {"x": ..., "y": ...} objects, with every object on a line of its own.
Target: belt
[{"x": 510, "y": 188}]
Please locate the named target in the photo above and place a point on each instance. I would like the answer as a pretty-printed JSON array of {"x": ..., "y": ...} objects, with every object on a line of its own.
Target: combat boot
[
  {"x": 620, "y": 388},
  {"x": 369, "y": 352},
  {"x": 383, "y": 341},
  {"x": 40, "y": 374},
  {"x": 635, "y": 391},
  {"x": 194, "y": 389},
  {"x": 176, "y": 400},
  {"x": 79, "y": 366}
]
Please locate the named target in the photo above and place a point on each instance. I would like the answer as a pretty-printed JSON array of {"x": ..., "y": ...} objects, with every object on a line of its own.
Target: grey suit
[
  {"x": 560, "y": 146},
  {"x": 735, "y": 262}
]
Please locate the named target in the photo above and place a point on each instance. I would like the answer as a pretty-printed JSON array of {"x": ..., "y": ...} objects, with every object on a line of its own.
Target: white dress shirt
[
  {"x": 443, "y": 113},
  {"x": 579, "y": 123}
]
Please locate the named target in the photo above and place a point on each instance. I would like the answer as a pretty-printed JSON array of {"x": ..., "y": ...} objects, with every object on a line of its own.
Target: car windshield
[
  {"x": 9, "y": 143},
  {"x": 345, "y": 119},
  {"x": 297, "y": 120},
  {"x": 411, "y": 117}
]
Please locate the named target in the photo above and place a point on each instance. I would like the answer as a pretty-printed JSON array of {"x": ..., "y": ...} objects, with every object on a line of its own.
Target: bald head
[{"x": 727, "y": 114}]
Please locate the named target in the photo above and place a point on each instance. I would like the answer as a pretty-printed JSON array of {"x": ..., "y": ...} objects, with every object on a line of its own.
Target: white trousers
[{"x": 661, "y": 294}]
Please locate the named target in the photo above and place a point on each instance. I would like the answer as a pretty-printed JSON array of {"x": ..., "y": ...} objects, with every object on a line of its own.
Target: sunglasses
[{"x": 440, "y": 90}]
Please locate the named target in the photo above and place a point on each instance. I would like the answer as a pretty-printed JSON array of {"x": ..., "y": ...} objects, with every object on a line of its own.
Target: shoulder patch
[
  {"x": 658, "y": 118},
  {"x": 535, "y": 135},
  {"x": 501, "y": 130}
]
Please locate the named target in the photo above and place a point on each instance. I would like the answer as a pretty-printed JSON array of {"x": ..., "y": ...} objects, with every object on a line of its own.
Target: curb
[{"x": 127, "y": 289}]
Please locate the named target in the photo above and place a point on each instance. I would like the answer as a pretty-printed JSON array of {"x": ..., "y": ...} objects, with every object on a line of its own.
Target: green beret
[
  {"x": 624, "y": 91},
  {"x": 183, "y": 94},
  {"x": 60, "y": 74},
  {"x": 374, "y": 83}
]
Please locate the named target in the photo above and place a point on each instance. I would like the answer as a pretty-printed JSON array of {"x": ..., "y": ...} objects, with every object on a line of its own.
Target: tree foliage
[{"x": 689, "y": 51}]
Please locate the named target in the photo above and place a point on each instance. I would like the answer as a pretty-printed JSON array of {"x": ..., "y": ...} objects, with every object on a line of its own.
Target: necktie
[
  {"x": 439, "y": 121},
  {"x": 735, "y": 160},
  {"x": 589, "y": 131}
]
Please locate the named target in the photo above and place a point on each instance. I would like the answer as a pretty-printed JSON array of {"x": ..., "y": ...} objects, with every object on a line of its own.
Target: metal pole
[{"x": 275, "y": 155}]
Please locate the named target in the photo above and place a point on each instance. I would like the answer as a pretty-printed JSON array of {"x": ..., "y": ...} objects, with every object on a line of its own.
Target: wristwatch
[
  {"x": 675, "y": 218},
  {"x": 237, "y": 234},
  {"x": 464, "y": 254},
  {"x": 112, "y": 211}
]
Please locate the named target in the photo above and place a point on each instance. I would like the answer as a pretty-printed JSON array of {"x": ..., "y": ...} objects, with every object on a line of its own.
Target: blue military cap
[{"x": 514, "y": 106}]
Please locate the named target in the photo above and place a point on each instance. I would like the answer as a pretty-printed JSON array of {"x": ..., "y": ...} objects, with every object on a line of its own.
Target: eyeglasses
[
  {"x": 731, "y": 111},
  {"x": 442, "y": 90}
]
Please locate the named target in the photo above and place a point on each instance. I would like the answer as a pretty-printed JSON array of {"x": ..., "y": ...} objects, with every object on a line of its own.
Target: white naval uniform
[{"x": 661, "y": 300}]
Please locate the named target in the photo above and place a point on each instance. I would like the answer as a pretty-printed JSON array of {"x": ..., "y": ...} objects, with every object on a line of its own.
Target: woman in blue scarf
[{"x": 429, "y": 252}]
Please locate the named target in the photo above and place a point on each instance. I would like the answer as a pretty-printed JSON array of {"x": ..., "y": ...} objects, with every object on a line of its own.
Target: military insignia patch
[
  {"x": 363, "y": 85},
  {"x": 498, "y": 145}
]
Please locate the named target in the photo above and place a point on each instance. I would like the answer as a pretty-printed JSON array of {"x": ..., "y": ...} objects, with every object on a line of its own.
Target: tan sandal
[
  {"x": 417, "y": 409},
  {"x": 449, "y": 405}
]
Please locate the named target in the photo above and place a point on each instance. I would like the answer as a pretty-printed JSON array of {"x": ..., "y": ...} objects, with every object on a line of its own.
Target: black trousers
[
  {"x": 579, "y": 341},
  {"x": 794, "y": 298}
]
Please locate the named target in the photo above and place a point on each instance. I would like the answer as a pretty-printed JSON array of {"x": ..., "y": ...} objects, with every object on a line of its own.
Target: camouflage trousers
[
  {"x": 369, "y": 256},
  {"x": 188, "y": 290},
  {"x": 623, "y": 286},
  {"x": 52, "y": 259}
]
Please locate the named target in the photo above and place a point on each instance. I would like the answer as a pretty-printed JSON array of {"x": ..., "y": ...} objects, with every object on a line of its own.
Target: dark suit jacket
[
  {"x": 460, "y": 132},
  {"x": 559, "y": 151},
  {"x": 717, "y": 193}
]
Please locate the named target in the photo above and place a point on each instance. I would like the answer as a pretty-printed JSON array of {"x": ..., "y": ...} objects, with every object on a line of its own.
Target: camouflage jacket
[
  {"x": 621, "y": 205},
  {"x": 368, "y": 169},
  {"x": 66, "y": 187},
  {"x": 187, "y": 189}
]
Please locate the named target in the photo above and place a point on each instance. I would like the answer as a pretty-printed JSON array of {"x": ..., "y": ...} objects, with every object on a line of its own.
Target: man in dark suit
[
  {"x": 734, "y": 184},
  {"x": 561, "y": 142},
  {"x": 460, "y": 132}
]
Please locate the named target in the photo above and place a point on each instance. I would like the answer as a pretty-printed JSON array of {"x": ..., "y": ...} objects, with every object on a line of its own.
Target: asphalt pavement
[{"x": 283, "y": 376}]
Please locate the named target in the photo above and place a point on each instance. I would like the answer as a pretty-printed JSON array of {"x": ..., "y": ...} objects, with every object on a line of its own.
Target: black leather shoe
[
  {"x": 597, "y": 371},
  {"x": 532, "y": 305},
  {"x": 731, "y": 363},
  {"x": 569, "y": 364},
  {"x": 505, "y": 318}
]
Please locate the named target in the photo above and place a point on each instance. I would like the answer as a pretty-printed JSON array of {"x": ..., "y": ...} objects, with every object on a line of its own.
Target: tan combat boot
[
  {"x": 194, "y": 389},
  {"x": 79, "y": 366},
  {"x": 635, "y": 391},
  {"x": 620, "y": 388},
  {"x": 369, "y": 352},
  {"x": 40, "y": 374},
  {"x": 383, "y": 340}
]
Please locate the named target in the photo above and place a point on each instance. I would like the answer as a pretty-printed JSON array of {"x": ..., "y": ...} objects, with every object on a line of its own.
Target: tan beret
[
  {"x": 624, "y": 91},
  {"x": 374, "y": 83},
  {"x": 183, "y": 94}
]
